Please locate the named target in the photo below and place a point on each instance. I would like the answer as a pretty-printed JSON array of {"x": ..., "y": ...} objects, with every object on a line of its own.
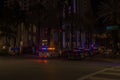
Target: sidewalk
[
  {"x": 21, "y": 57},
  {"x": 105, "y": 58},
  {"x": 99, "y": 57}
]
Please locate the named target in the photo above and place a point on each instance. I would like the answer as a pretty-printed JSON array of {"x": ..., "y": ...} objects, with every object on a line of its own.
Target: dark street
[
  {"x": 59, "y": 39},
  {"x": 36, "y": 69}
]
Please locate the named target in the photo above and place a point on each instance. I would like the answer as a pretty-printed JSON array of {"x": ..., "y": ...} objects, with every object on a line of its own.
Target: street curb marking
[
  {"x": 96, "y": 78},
  {"x": 89, "y": 75}
]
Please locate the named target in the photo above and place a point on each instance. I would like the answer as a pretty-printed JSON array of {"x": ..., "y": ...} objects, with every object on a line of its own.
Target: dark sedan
[{"x": 73, "y": 54}]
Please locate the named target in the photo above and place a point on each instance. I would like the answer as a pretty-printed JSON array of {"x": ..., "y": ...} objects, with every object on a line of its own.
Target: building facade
[{"x": 76, "y": 17}]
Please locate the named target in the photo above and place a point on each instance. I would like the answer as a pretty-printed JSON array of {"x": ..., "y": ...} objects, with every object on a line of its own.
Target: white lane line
[
  {"x": 87, "y": 76},
  {"x": 97, "y": 78},
  {"x": 117, "y": 70},
  {"x": 111, "y": 73}
]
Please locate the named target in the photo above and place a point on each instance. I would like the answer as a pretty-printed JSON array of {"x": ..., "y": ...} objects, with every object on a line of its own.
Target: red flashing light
[
  {"x": 45, "y": 56},
  {"x": 42, "y": 61},
  {"x": 45, "y": 61}
]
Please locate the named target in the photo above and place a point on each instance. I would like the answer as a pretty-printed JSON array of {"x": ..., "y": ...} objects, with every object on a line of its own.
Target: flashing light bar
[
  {"x": 51, "y": 48},
  {"x": 44, "y": 48},
  {"x": 48, "y": 48}
]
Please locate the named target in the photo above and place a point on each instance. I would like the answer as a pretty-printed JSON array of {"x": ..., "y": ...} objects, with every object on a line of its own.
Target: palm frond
[{"x": 109, "y": 9}]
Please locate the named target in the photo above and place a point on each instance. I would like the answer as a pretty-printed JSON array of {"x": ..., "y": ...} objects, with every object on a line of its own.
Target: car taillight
[
  {"x": 45, "y": 56},
  {"x": 40, "y": 56}
]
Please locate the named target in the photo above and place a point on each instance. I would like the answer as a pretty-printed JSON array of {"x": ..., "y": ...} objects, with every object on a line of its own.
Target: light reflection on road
[{"x": 41, "y": 61}]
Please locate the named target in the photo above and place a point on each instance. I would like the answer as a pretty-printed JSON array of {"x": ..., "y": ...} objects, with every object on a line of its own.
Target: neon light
[
  {"x": 51, "y": 48},
  {"x": 45, "y": 61},
  {"x": 41, "y": 61},
  {"x": 44, "y": 48},
  {"x": 74, "y": 1}
]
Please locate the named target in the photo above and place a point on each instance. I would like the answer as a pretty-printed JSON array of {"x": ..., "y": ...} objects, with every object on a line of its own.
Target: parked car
[
  {"x": 14, "y": 50},
  {"x": 4, "y": 51},
  {"x": 27, "y": 50},
  {"x": 43, "y": 55},
  {"x": 73, "y": 54},
  {"x": 65, "y": 53},
  {"x": 94, "y": 50},
  {"x": 91, "y": 50},
  {"x": 47, "y": 52},
  {"x": 87, "y": 52}
]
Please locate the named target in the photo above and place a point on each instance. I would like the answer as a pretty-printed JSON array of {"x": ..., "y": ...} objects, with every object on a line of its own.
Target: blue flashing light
[{"x": 44, "y": 48}]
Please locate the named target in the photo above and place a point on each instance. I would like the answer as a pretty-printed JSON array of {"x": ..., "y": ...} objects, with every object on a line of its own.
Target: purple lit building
[{"x": 76, "y": 16}]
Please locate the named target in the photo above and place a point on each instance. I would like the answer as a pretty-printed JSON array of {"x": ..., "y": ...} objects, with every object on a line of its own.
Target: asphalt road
[{"x": 36, "y": 69}]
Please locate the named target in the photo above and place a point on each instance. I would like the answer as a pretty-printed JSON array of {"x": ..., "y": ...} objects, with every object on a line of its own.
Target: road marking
[
  {"x": 96, "y": 78},
  {"x": 117, "y": 70},
  {"x": 111, "y": 73},
  {"x": 87, "y": 76},
  {"x": 103, "y": 72}
]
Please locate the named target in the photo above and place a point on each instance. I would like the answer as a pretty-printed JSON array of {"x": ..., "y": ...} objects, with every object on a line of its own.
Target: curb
[{"x": 104, "y": 59}]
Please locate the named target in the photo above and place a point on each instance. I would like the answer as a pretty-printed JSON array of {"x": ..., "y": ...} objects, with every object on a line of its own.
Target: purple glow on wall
[
  {"x": 64, "y": 13},
  {"x": 74, "y": 6}
]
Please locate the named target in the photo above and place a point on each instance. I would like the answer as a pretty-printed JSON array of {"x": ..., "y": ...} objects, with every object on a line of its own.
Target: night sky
[
  {"x": 95, "y": 4},
  {"x": 1, "y": 3}
]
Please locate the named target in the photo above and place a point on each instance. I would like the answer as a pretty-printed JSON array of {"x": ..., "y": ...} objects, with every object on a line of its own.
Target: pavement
[
  {"x": 99, "y": 57},
  {"x": 31, "y": 67},
  {"x": 105, "y": 58},
  {"x": 112, "y": 73}
]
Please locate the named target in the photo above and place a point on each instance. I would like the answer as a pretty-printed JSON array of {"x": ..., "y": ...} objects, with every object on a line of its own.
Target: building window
[{"x": 34, "y": 29}]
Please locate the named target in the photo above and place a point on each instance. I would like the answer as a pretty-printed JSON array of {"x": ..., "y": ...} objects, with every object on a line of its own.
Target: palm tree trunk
[
  {"x": 115, "y": 32},
  {"x": 38, "y": 37}
]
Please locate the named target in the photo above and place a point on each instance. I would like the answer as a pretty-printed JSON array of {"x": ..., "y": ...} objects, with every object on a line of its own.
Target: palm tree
[
  {"x": 45, "y": 13},
  {"x": 10, "y": 19},
  {"x": 110, "y": 14},
  {"x": 37, "y": 17},
  {"x": 6, "y": 20},
  {"x": 60, "y": 7}
]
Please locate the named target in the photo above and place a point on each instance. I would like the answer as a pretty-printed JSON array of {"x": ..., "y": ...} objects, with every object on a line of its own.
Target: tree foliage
[{"x": 109, "y": 12}]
